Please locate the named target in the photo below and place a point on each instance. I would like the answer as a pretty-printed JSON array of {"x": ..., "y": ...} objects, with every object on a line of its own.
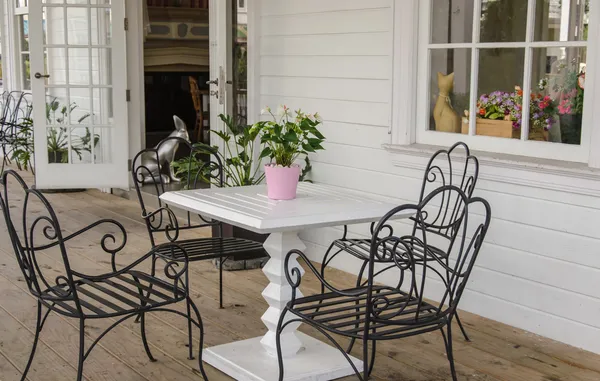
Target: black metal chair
[
  {"x": 203, "y": 167},
  {"x": 9, "y": 121},
  {"x": 119, "y": 294},
  {"x": 445, "y": 167},
  {"x": 374, "y": 312}
]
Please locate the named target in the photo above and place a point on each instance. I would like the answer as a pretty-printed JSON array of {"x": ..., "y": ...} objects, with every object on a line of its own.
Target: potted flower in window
[
  {"x": 570, "y": 107},
  {"x": 500, "y": 114},
  {"x": 286, "y": 138}
]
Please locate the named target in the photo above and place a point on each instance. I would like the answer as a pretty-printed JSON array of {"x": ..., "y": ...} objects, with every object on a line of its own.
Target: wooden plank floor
[{"x": 497, "y": 352}]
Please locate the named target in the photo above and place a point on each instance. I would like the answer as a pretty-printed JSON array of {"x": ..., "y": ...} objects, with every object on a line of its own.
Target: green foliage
[
  {"x": 57, "y": 137},
  {"x": 239, "y": 165},
  {"x": 238, "y": 158},
  {"x": 287, "y": 137}
]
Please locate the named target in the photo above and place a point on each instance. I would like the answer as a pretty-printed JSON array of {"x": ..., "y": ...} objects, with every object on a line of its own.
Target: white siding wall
[{"x": 540, "y": 267}]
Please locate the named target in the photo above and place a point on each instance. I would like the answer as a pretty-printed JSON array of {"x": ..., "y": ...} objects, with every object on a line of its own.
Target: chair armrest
[
  {"x": 170, "y": 269},
  {"x": 294, "y": 276},
  {"x": 156, "y": 223},
  {"x": 104, "y": 241}
]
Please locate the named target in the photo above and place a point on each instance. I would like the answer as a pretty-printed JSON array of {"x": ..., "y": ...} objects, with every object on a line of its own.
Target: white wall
[{"x": 540, "y": 267}]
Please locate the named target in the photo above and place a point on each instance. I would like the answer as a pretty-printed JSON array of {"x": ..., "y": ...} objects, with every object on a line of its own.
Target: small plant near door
[{"x": 57, "y": 137}]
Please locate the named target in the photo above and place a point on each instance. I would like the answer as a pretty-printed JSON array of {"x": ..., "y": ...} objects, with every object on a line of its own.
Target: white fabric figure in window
[{"x": 446, "y": 119}]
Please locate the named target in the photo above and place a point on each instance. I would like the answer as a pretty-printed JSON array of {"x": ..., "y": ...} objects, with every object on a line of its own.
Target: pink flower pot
[{"x": 282, "y": 182}]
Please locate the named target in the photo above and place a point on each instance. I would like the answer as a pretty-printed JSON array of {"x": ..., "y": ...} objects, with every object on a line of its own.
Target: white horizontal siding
[{"x": 540, "y": 267}]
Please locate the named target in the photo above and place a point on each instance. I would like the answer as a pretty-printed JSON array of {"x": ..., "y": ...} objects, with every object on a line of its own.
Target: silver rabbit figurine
[{"x": 166, "y": 155}]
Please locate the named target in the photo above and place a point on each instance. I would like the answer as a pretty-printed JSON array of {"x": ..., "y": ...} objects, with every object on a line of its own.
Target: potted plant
[
  {"x": 570, "y": 106},
  {"x": 286, "y": 138},
  {"x": 57, "y": 137},
  {"x": 500, "y": 114}
]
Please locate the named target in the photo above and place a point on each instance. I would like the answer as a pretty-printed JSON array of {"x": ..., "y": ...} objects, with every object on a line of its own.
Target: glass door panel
[{"x": 79, "y": 84}]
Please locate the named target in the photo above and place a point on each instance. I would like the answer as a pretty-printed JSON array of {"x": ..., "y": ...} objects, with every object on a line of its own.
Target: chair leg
[
  {"x": 323, "y": 265},
  {"x": 189, "y": 314},
  {"x": 366, "y": 368},
  {"x": 462, "y": 329},
  {"x": 38, "y": 328},
  {"x": 373, "y": 353},
  {"x": 144, "y": 339},
  {"x": 221, "y": 282},
  {"x": 358, "y": 283},
  {"x": 449, "y": 350},
  {"x": 201, "y": 327},
  {"x": 278, "y": 343},
  {"x": 81, "y": 349}
]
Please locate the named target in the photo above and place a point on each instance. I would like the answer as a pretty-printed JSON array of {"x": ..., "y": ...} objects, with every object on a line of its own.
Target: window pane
[
  {"x": 26, "y": 71},
  {"x": 561, "y": 20},
  {"x": 503, "y": 20},
  {"x": 449, "y": 96},
  {"x": 23, "y": 24},
  {"x": 499, "y": 105},
  {"x": 559, "y": 78},
  {"x": 451, "y": 23},
  {"x": 54, "y": 25}
]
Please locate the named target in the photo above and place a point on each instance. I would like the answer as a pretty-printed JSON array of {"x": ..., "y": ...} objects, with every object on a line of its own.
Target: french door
[
  {"x": 228, "y": 64},
  {"x": 78, "y": 84}
]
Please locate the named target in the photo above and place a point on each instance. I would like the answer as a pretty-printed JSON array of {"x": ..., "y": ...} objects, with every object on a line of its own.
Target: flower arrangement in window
[{"x": 500, "y": 105}]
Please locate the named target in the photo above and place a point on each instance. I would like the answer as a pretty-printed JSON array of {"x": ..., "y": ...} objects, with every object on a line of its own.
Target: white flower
[
  {"x": 266, "y": 110},
  {"x": 318, "y": 117},
  {"x": 283, "y": 110}
]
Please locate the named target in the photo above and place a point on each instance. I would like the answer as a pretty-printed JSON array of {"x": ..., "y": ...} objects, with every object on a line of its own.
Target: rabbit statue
[{"x": 166, "y": 154}]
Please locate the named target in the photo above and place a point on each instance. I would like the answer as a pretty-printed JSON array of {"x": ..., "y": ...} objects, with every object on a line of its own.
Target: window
[
  {"x": 22, "y": 44},
  {"x": 506, "y": 75},
  {"x": 1, "y": 37}
]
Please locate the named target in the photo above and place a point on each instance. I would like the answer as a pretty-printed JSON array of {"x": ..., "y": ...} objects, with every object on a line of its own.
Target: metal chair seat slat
[
  {"x": 119, "y": 297},
  {"x": 142, "y": 296},
  {"x": 158, "y": 282},
  {"x": 204, "y": 248},
  {"x": 144, "y": 287},
  {"x": 349, "y": 318},
  {"x": 361, "y": 248},
  {"x": 103, "y": 301}
]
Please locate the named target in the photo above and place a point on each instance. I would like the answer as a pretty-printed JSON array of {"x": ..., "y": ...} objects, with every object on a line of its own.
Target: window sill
[{"x": 560, "y": 175}]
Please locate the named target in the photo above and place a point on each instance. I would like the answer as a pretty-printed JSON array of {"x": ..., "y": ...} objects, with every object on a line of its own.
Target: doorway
[{"x": 177, "y": 66}]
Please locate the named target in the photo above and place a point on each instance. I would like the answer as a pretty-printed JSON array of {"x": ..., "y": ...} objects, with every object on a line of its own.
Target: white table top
[{"x": 316, "y": 205}]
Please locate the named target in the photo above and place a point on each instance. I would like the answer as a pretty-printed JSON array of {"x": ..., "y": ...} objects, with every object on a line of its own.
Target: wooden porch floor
[{"x": 497, "y": 352}]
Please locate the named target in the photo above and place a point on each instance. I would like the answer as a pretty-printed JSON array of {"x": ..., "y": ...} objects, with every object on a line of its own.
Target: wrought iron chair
[
  {"x": 16, "y": 107},
  {"x": 374, "y": 312},
  {"x": 445, "y": 167},
  {"x": 118, "y": 294},
  {"x": 160, "y": 219}
]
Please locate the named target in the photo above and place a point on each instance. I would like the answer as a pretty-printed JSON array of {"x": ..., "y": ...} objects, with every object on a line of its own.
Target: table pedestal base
[{"x": 247, "y": 360}]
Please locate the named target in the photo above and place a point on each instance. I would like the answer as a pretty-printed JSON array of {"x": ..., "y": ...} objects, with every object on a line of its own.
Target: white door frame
[{"x": 113, "y": 174}]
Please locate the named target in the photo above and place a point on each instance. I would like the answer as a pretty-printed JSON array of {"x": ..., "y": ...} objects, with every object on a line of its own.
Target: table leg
[
  {"x": 279, "y": 292},
  {"x": 305, "y": 358}
]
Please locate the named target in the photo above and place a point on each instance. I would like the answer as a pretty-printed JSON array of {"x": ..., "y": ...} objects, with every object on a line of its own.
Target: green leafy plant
[
  {"x": 57, "y": 137},
  {"x": 238, "y": 157},
  {"x": 288, "y": 136}
]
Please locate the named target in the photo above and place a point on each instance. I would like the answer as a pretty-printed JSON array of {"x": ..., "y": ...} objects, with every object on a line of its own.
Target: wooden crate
[
  {"x": 489, "y": 127},
  {"x": 501, "y": 129}
]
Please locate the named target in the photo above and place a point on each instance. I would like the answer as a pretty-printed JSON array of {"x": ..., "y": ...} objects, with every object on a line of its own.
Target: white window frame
[
  {"x": 3, "y": 47},
  {"x": 18, "y": 55},
  {"x": 410, "y": 116}
]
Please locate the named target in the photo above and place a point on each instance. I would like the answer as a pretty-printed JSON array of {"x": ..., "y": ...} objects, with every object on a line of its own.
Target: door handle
[
  {"x": 38, "y": 75},
  {"x": 213, "y": 82}
]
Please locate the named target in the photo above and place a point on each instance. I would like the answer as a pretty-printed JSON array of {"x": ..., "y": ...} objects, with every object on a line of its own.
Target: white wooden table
[{"x": 248, "y": 207}]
